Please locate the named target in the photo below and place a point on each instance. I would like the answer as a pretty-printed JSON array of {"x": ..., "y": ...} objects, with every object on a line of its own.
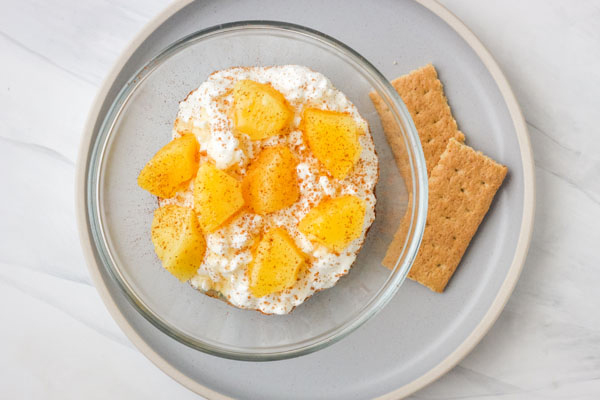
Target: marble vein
[
  {"x": 48, "y": 60},
  {"x": 48, "y": 298},
  {"x": 489, "y": 386},
  {"x": 40, "y": 148},
  {"x": 38, "y": 227},
  {"x": 37, "y": 106},
  {"x": 572, "y": 183},
  {"x": 564, "y": 162},
  {"x": 53, "y": 272},
  {"x": 133, "y": 12},
  {"x": 550, "y": 137}
]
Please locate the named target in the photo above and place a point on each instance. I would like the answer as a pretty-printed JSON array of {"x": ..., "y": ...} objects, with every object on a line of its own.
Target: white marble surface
[{"x": 57, "y": 340}]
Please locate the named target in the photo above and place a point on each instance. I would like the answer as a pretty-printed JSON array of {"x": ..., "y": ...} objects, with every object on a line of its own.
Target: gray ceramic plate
[{"x": 419, "y": 335}]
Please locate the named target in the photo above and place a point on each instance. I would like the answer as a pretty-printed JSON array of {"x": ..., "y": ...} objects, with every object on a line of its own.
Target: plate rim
[{"x": 464, "y": 348}]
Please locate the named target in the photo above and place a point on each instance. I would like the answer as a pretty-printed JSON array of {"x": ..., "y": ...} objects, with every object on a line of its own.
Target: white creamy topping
[{"x": 228, "y": 249}]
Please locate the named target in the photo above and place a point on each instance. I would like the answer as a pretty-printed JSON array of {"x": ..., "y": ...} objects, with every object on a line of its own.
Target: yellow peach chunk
[
  {"x": 259, "y": 110},
  {"x": 178, "y": 240},
  {"x": 217, "y": 196},
  {"x": 335, "y": 222},
  {"x": 171, "y": 167},
  {"x": 270, "y": 184},
  {"x": 276, "y": 263},
  {"x": 333, "y": 139}
]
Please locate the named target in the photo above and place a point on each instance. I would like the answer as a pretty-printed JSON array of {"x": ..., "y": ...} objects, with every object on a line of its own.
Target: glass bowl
[{"x": 139, "y": 122}]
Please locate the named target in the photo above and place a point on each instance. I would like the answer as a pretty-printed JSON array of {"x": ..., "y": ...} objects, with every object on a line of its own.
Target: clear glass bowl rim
[{"x": 419, "y": 194}]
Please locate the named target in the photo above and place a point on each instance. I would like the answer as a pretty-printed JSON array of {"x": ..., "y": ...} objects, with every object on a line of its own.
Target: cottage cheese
[{"x": 207, "y": 111}]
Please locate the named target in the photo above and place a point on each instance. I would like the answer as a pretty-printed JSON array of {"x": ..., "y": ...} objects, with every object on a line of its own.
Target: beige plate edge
[{"x": 462, "y": 350}]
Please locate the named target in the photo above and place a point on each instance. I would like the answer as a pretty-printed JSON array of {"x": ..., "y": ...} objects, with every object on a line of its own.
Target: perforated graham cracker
[
  {"x": 461, "y": 188},
  {"x": 454, "y": 215},
  {"x": 423, "y": 94}
]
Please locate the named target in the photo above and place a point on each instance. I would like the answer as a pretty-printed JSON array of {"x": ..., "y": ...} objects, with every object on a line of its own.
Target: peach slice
[
  {"x": 333, "y": 139},
  {"x": 335, "y": 222},
  {"x": 271, "y": 183},
  {"x": 178, "y": 240},
  {"x": 276, "y": 263},
  {"x": 217, "y": 196},
  {"x": 259, "y": 110},
  {"x": 171, "y": 167}
]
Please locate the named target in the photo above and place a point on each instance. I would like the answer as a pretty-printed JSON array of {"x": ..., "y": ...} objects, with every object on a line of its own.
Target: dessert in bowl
[
  {"x": 279, "y": 169},
  {"x": 141, "y": 121}
]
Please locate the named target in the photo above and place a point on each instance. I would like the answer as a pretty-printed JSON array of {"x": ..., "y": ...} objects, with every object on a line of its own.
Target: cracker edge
[{"x": 423, "y": 271}]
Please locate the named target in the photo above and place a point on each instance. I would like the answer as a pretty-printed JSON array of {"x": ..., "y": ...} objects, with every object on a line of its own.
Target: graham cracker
[
  {"x": 461, "y": 188},
  {"x": 423, "y": 94},
  {"x": 462, "y": 182}
]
